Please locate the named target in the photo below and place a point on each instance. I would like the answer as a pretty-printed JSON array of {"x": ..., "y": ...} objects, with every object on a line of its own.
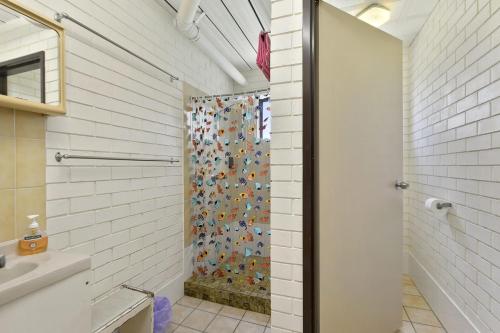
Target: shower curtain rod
[
  {"x": 236, "y": 93},
  {"x": 60, "y": 16}
]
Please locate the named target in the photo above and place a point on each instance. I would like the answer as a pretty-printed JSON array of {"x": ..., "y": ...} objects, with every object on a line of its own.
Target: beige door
[{"x": 359, "y": 161}]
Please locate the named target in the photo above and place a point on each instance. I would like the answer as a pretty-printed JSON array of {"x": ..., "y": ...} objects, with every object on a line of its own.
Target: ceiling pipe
[{"x": 184, "y": 22}]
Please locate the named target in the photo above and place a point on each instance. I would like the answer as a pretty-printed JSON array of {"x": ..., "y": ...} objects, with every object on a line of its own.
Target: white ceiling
[
  {"x": 407, "y": 16},
  {"x": 232, "y": 27}
]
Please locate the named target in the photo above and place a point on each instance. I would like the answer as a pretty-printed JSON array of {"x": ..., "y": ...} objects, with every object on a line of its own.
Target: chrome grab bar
[{"x": 59, "y": 157}]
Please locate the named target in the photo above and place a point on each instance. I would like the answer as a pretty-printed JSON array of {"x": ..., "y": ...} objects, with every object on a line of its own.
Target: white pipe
[
  {"x": 184, "y": 23},
  {"x": 185, "y": 17}
]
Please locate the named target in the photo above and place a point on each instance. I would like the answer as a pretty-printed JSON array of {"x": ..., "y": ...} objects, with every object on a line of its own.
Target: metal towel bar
[
  {"x": 60, "y": 16},
  {"x": 144, "y": 291},
  {"x": 59, "y": 157}
]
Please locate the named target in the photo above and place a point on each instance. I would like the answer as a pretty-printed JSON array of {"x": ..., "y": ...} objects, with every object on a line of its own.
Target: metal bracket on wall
[{"x": 442, "y": 205}]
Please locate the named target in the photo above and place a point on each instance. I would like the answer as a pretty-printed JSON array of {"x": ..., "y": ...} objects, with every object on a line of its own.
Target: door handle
[{"x": 402, "y": 185}]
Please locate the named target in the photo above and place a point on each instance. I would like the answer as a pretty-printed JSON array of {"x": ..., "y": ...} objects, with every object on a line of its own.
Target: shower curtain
[{"x": 230, "y": 189}]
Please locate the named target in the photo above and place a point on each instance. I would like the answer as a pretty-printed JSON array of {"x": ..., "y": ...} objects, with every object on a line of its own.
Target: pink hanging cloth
[{"x": 264, "y": 54}]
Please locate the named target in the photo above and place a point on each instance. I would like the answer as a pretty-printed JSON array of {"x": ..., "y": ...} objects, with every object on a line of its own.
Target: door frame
[{"x": 309, "y": 221}]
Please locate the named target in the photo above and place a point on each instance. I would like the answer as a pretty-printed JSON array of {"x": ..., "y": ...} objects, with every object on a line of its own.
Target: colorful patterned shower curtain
[{"x": 230, "y": 189}]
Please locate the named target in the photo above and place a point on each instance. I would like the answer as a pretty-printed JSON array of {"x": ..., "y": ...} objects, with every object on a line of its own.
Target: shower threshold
[{"x": 239, "y": 293}]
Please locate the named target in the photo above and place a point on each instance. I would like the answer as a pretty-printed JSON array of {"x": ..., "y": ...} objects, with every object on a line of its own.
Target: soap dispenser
[{"x": 35, "y": 241}]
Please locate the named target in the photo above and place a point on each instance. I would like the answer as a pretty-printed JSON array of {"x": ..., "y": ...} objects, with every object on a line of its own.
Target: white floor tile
[
  {"x": 182, "y": 329},
  {"x": 428, "y": 329},
  {"x": 189, "y": 301},
  {"x": 420, "y": 316},
  {"x": 406, "y": 328},
  {"x": 222, "y": 324},
  {"x": 171, "y": 327},
  {"x": 256, "y": 318},
  {"x": 180, "y": 312},
  {"x": 210, "y": 307},
  {"x": 245, "y": 327},
  {"x": 229, "y": 311},
  {"x": 198, "y": 320}
]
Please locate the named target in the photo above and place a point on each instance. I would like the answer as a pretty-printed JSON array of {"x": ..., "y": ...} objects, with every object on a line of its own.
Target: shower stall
[{"x": 229, "y": 148}]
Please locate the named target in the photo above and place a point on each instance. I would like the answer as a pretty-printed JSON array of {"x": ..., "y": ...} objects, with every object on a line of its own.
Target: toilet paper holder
[{"x": 441, "y": 205}]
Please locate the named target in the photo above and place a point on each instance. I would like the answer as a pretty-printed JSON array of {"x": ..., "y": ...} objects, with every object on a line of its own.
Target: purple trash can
[{"x": 162, "y": 314}]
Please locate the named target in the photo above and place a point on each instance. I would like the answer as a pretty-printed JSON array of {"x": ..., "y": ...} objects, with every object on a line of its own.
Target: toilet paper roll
[{"x": 431, "y": 205}]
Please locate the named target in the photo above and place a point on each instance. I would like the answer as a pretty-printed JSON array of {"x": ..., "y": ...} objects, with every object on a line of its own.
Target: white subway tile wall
[
  {"x": 452, "y": 123},
  {"x": 126, "y": 215},
  {"x": 286, "y": 166}
]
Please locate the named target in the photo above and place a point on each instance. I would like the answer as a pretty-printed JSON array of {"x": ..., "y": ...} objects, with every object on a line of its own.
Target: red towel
[{"x": 264, "y": 54}]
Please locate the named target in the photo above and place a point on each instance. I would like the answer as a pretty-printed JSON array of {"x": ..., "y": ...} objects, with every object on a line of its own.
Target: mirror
[
  {"x": 31, "y": 61},
  {"x": 24, "y": 77}
]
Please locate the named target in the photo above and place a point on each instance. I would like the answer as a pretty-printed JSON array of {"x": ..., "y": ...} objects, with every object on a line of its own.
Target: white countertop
[{"x": 49, "y": 268}]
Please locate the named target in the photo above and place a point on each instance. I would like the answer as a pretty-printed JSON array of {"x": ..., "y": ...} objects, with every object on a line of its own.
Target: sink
[
  {"x": 9, "y": 273},
  {"x": 47, "y": 292},
  {"x": 25, "y": 274}
]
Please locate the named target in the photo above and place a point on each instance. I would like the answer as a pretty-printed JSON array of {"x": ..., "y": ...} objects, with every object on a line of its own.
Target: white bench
[{"x": 125, "y": 311}]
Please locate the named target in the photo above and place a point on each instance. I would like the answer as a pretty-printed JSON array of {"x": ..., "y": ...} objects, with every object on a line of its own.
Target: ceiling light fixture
[{"x": 375, "y": 15}]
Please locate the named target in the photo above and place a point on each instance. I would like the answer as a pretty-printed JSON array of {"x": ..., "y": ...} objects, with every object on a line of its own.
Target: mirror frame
[{"x": 23, "y": 105}]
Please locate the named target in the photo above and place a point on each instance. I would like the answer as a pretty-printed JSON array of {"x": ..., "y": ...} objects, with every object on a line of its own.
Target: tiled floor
[
  {"x": 418, "y": 317},
  {"x": 192, "y": 315}
]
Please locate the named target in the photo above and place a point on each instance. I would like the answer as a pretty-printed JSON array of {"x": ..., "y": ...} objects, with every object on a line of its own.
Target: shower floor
[{"x": 243, "y": 292}]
